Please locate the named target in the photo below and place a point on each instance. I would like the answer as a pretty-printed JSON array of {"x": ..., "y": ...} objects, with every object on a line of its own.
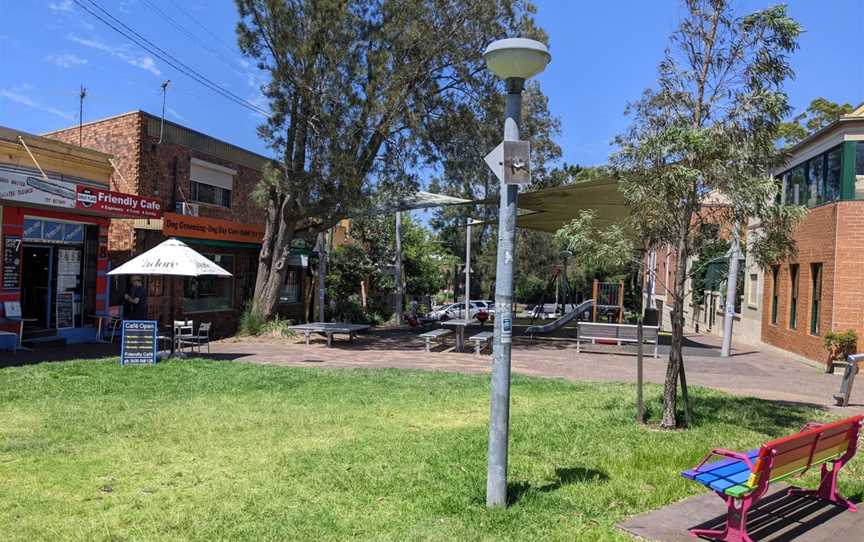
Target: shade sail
[
  {"x": 550, "y": 209},
  {"x": 173, "y": 258},
  {"x": 415, "y": 201}
]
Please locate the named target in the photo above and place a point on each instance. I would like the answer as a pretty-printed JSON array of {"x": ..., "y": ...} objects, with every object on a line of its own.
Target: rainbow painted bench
[{"x": 745, "y": 477}]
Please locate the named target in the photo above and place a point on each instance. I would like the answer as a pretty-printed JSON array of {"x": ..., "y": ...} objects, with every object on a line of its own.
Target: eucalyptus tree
[
  {"x": 709, "y": 127},
  {"x": 353, "y": 88}
]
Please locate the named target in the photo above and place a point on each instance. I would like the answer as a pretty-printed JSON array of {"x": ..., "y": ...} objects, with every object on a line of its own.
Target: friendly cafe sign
[{"x": 117, "y": 203}]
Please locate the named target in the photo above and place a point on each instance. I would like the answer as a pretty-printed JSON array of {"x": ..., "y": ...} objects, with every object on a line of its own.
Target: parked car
[{"x": 457, "y": 310}]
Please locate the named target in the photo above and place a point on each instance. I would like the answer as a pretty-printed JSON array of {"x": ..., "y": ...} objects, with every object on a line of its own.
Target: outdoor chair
[
  {"x": 184, "y": 330},
  {"x": 200, "y": 338},
  {"x": 115, "y": 320}
]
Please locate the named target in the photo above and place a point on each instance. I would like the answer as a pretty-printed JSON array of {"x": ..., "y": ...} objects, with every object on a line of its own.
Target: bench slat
[
  {"x": 483, "y": 336},
  {"x": 435, "y": 333}
]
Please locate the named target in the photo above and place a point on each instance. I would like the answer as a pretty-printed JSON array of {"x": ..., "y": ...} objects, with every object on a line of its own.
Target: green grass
[{"x": 198, "y": 450}]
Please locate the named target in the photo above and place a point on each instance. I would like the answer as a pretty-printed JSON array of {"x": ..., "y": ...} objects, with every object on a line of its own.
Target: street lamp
[{"x": 514, "y": 60}]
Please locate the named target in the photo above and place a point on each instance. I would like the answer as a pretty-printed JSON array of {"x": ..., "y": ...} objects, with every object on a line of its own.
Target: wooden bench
[
  {"x": 745, "y": 477},
  {"x": 481, "y": 340},
  {"x": 617, "y": 333},
  {"x": 436, "y": 335}
]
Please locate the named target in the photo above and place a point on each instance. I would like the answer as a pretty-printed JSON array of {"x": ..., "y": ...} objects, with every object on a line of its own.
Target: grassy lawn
[{"x": 198, "y": 450}]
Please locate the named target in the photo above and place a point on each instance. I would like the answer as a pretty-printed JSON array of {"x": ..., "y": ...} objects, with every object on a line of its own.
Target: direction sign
[{"x": 510, "y": 161}]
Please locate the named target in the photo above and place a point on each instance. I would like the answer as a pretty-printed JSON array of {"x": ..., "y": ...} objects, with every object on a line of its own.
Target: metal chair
[
  {"x": 115, "y": 320},
  {"x": 202, "y": 337},
  {"x": 184, "y": 330}
]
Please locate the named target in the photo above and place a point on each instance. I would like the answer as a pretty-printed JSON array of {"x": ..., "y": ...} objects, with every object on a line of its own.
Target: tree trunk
[
  {"x": 273, "y": 260},
  {"x": 676, "y": 360}
]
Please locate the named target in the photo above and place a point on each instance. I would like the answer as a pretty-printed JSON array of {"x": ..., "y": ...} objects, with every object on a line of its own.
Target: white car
[{"x": 457, "y": 310}]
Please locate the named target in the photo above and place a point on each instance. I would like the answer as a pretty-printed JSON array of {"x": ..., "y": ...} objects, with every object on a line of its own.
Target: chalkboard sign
[
  {"x": 65, "y": 310},
  {"x": 11, "y": 263},
  {"x": 138, "y": 346}
]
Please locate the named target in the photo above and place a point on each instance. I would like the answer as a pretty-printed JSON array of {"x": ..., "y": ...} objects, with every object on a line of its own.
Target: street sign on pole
[{"x": 510, "y": 161}]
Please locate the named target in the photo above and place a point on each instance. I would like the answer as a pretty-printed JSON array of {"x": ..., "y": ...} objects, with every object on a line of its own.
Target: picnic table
[
  {"x": 460, "y": 324},
  {"x": 328, "y": 329}
]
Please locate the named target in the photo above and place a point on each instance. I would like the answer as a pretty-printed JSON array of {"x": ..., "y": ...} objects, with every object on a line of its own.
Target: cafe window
[
  {"x": 291, "y": 287},
  {"x": 793, "y": 299},
  {"x": 775, "y": 275},
  {"x": 816, "y": 299},
  {"x": 204, "y": 294},
  {"x": 210, "y": 183}
]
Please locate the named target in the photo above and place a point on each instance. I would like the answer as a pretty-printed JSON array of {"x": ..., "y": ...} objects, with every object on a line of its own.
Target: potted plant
[{"x": 839, "y": 346}]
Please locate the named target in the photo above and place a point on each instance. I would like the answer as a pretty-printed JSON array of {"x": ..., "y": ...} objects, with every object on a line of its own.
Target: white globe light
[{"x": 516, "y": 57}]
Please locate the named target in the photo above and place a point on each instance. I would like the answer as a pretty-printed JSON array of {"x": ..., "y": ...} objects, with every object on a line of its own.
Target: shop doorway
[{"x": 36, "y": 286}]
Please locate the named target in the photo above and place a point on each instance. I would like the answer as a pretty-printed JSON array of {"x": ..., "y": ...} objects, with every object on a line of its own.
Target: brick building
[
  {"x": 55, "y": 210},
  {"x": 206, "y": 185},
  {"x": 822, "y": 289}
]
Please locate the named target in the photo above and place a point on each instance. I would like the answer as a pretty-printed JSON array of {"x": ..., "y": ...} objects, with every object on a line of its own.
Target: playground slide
[{"x": 561, "y": 322}]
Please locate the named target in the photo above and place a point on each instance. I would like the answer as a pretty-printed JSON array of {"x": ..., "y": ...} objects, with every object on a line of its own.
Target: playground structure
[
  {"x": 582, "y": 308},
  {"x": 610, "y": 300}
]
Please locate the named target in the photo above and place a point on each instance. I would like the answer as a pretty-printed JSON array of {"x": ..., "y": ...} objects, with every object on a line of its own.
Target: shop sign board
[
  {"x": 197, "y": 227},
  {"x": 11, "y": 262},
  {"x": 116, "y": 203},
  {"x": 65, "y": 310},
  {"x": 25, "y": 187},
  {"x": 138, "y": 345}
]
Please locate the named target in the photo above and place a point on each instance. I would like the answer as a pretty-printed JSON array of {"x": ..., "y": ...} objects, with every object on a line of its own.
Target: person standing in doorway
[{"x": 136, "y": 300}]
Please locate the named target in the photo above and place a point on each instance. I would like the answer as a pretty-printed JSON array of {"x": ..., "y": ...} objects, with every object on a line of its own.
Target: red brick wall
[
  {"x": 815, "y": 240},
  {"x": 120, "y": 137},
  {"x": 152, "y": 169}
]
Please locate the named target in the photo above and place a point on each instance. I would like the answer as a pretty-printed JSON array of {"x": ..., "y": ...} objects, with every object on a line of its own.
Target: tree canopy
[{"x": 356, "y": 91}]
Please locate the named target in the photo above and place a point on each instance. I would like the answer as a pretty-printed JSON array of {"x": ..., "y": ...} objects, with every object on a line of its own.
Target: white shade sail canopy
[{"x": 173, "y": 258}]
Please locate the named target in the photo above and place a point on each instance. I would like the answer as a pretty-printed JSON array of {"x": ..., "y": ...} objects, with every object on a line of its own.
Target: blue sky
[{"x": 604, "y": 54}]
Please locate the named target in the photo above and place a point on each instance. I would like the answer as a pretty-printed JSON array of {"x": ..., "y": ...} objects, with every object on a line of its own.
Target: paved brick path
[{"x": 749, "y": 372}]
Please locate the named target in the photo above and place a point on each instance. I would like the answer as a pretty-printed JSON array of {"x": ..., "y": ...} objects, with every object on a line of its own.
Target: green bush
[
  {"x": 250, "y": 322},
  {"x": 278, "y": 328},
  {"x": 841, "y": 344}
]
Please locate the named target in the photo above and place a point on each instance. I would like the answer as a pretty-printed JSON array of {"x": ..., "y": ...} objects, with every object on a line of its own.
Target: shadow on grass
[
  {"x": 775, "y": 418},
  {"x": 563, "y": 477}
]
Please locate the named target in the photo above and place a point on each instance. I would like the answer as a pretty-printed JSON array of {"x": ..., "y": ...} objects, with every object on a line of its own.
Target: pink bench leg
[
  {"x": 736, "y": 522},
  {"x": 828, "y": 488}
]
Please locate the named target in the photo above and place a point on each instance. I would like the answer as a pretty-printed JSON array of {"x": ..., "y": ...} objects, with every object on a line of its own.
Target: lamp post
[{"x": 514, "y": 60}]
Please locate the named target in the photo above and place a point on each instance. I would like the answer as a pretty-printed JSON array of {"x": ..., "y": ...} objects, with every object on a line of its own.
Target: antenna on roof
[
  {"x": 82, "y": 94},
  {"x": 162, "y": 122}
]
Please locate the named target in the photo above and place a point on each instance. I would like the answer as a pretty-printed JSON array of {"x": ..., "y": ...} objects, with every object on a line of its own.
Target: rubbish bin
[
  {"x": 849, "y": 374},
  {"x": 651, "y": 318}
]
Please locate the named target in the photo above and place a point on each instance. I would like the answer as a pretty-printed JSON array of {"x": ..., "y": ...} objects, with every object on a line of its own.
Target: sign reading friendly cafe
[{"x": 138, "y": 346}]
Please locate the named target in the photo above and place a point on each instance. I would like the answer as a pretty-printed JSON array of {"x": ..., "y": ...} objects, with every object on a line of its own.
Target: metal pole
[
  {"x": 81, "y": 95},
  {"x": 731, "y": 291},
  {"x": 640, "y": 402},
  {"x": 499, "y": 421},
  {"x": 322, "y": 274},
  {"x": 468, "y": 270},
  {"x": 398, "y": 268}
]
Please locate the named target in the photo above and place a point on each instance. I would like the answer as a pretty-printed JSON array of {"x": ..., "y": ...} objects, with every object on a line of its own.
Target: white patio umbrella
[{"x": 173, "y": 258}]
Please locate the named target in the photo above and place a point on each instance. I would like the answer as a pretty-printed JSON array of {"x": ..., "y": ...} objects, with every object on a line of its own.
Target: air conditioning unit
[{"x": 188, "y": 209}]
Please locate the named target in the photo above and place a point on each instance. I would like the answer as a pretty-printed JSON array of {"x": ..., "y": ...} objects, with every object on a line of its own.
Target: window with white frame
[
  {"x": 210, "y": 183},
  {"x": 753, "y": 297}
]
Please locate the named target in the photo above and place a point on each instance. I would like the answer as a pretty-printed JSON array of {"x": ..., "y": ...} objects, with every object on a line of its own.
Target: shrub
[
  {"x": 278, "y": 328},
  {"x": 840, "y": 345},
  {"x": 250, "y": 322}
]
